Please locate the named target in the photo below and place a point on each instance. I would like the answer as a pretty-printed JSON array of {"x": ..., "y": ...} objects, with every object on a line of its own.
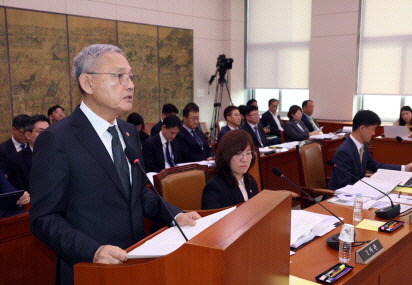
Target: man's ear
[
  {"x": 86, "y": 83},
  {"x": 27, "y": 135}
]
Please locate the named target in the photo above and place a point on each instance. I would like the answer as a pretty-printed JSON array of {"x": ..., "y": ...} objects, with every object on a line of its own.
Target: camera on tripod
[{"x": 222, "y": 65}]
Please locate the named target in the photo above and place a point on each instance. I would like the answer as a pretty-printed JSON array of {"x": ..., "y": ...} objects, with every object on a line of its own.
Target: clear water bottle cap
[{"x": 358, "y": 195}]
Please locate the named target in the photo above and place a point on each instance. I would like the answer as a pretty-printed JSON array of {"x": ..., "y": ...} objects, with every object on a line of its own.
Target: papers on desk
[
  {"x": 288, "y": 145},
  {"x": 171, "y": 239},
  {"x": 150, "y": 176},
  {"x": 305, "y": 226},
  {"x": 367, "y": 191},
  {"x": 329, "y": 136},
  {"x": 269, "y": 150},
  {"x": 347, "y": 129},
  {"x": 208, "y": 163},
  {"x": 392, "y": 175}
]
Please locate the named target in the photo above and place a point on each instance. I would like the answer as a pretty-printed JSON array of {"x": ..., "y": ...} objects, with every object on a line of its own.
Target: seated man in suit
[
  {"x": 162, "y": 150},
  {"x": 19, "y": 165},
  {"x": 233, "y": 119},
  {"x": 353, "y": 155},
  {"x": 272, "y": 119},
  {"x": 253, "y": 128},
  {"x": 295, "y": 129},
  {"x": 308, "y": 107},
  {"x": 192, "y": 141},
  {"x": 168, "y": 109},
  {"x": 16, "y": 143},
  {"x": 55, "y": 113}
]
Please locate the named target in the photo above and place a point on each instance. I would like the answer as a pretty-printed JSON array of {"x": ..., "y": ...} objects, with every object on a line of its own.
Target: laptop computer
[{"x": 395, "y": 131}]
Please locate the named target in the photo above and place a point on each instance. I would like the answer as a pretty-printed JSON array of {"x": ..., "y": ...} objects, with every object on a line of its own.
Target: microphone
[
  {"x": 386, "y": 213},
  {"x": 332, "y": 241},
  {"x": 401, "y": 140},
  {"x": 133, "y": 158}
]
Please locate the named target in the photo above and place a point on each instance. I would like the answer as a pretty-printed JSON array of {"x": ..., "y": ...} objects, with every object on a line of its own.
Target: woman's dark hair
[
  {"x": 401, "y": 121},
  {"x": 232, "y": 142},
  {"x": 292, "y": 111},
  {"x": 136, "y": 119}
]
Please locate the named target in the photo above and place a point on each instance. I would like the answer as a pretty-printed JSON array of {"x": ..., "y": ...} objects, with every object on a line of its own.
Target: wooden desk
[
  {"x": 391, "y": 267},
  {"x": 23, "y": 258},
  {"x": 391, "y": 151}
]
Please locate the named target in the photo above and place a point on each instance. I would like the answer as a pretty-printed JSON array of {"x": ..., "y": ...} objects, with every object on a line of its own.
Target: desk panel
[{"x": 391, "y": 151}]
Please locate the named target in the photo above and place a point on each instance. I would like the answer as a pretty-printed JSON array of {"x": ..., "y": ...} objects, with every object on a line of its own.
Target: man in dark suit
[
  {"x": 353, "y": 155},
  {"x": 19, "y": 165},
  {"x": 192, "y": 141},
  {"x": 168, "y": 109},
  {"x": 253, "y": 127},
  {"x": 16, "y": 143},
  {"x": 163, "y": 150},
  {"x": 272, "y": 119},
  {"x": 233, "y": 119},
  {"x": 88, "y": 199},
  {"x": 308, "y": 107}
]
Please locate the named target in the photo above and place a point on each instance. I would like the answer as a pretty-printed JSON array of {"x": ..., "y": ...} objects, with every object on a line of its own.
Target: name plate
[{"x": 369, "y": 252}]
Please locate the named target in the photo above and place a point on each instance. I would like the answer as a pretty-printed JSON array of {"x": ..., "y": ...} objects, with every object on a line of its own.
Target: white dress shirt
[
  {"x": 276, "y": 118},
  {"x": 164, "y": 141},
  {"x": 17, "y": 145}
]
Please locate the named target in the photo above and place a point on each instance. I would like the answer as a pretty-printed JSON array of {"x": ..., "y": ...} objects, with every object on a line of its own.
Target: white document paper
[
  {"x": 366, "y": 190},
  {"x": 323, "y": 136},
  {"x": 208, "y": 163},
  {"x": 392, "y": 175},
  {"x": 288, "y": 145},
  {"x": 347, "y": 129},
  {"x": 150, "y": 176},
  {"x": 171, "y": 239}
]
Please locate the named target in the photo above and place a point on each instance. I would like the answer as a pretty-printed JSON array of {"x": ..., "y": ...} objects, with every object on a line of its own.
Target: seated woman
[
  {"x": 138, "y": 121},
  {"x": 295, "y": 129},
  {"x": 231, "y": 184},
  {"x": 405, "y": 119}
]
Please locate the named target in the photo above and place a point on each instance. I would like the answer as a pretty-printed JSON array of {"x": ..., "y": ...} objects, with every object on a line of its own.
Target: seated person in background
[
  {"x": 252, "y": 102},
  {"x": 137, "y": 120},
  {"x": 16, "y": 143},
  {"x": 19, "y": 165},
  {"x": 308, "y": 107},
  {"x": 405, "y": 119},
  {"x": 233, "y": 119},
  {"x": 353, "y": 155},
  {"x": 168, "y": 109},
  {"x": 253, "y": 128},
  {"x": 6, "y": 187},
  {"x": 272, "y": 119},
  {"x": 295, "y": 129},
  {"x": 231, "y": 183},
  {"x": 192, "y": 141},
  {"x": 242, "y": 111},
  {"x": 55, "y": 113},
  {"x": 162, "y": 150}
]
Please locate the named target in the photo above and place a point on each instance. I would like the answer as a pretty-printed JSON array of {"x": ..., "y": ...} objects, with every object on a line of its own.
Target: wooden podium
[{"x": 248, "y": 246}]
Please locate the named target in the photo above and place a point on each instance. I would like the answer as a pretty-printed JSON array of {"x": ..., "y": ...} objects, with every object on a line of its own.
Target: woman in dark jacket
[
  {"x": 231, "y": 183},
  {"x": 295, "y": 129}
]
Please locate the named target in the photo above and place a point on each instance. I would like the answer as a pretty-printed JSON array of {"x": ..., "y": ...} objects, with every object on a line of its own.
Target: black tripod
[{"x": 222, "y": 82}]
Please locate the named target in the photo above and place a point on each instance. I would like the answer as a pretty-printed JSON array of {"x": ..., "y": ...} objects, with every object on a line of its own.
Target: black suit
[
  {"x": 153, "y": 153},
  {"x": 267, "y": 119},
  {"x": 18, "y": 169},
  {"x": 5, "y": 186},
  {"x": 293, "y": 133},
  {"x": 308, "y": 123},
  {"x": 247, "y": 128},
  {"x": 156, "y": 128},
  {"x": 222, "y": 132},
  {"x": 77, "y": 199},
  {"x": 7, "y": 150},
  {"x": 191, "y": 149},
  {"x": 219, "y": 194},
  {"x": 347, "y": 157}
]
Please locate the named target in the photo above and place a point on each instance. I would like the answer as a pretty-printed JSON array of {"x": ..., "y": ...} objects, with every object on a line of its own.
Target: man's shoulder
[
  {"x": 152, "y": 140},
  {"x": 6, "y": 144}
]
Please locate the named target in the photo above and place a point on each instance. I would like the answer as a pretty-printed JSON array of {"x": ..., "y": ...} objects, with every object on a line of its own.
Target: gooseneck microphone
[
  {"x": 401, "y": 140},
  {"x": 132, "y": 155},
  {"x": 386, "y": 213}
]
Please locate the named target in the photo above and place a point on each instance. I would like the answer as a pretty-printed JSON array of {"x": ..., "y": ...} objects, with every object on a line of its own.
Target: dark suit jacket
[
  {"x": 18, "y": 169},
  {"x": 267, "y": 119},
  {"x": 5, "y": 186},
  {"x": 77, "y": 200},
  {"x": 7, "y": 149},
  {"x": 156, "y": 128},
  {"x": 222, "y": 132},
  {"x": 153, "y": 153},
  {"x": 246, "y": 127},
  {"x": 191, "y": 150},
  {"x": 347, "y": 158},
  {"x": 308, "y": 124},
  {"x": 293, "y": 133},
  {"x": 218, "y": 193}
]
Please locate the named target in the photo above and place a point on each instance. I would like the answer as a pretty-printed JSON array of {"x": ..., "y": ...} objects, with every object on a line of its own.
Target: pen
[
  {"x": 397, "y": 226},
  {"x": 342, "y": 273},
  {"x": 334, "y": 270},
  {"x": 399, "y": 195},
  {"x": 337, "y": 272}
]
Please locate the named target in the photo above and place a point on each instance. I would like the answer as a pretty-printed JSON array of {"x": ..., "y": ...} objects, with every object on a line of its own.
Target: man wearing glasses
[{"x": 88, "y": 200}]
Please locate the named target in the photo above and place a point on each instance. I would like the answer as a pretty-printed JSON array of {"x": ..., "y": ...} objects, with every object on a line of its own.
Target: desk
[
  {"x": 391, "y": 267},
  {"x": 24, "y": 259},
  {"x": 391, "y": 151}
]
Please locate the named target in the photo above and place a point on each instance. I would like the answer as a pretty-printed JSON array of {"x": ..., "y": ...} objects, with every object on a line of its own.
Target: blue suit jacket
[
  {"x": 191, "y": 150},
  {"x": 347, "y": 158},
  {"x": 7, "y": 149},
  {"x": 247, "y": 128},
  {"x": 222, "y": 132},
  {"x": 156, "y": 128},
  {"x": 77, "y": 200}
]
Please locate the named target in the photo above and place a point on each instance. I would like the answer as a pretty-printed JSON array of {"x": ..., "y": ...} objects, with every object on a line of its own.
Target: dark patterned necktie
[
  {"x": 22, "y": 146},
  {"x": 168, "y": 156},
  {"x": 197, "y": 138},
  {"x": 257, "y": 136},
  {"x": 120, "y": 161}
]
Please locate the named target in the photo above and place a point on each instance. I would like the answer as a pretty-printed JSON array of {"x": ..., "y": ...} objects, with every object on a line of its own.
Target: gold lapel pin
[
  {"x": 127, "y": 134},
  {"x": 250, "y": 190}
]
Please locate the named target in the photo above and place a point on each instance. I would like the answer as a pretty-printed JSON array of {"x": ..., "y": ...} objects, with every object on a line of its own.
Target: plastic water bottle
[
  {"x": 357, "y": 209},
  {"x": 346, "y": 238}
]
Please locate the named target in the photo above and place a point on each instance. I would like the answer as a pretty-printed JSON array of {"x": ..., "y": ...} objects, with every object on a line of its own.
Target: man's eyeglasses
[{"x": 123, "y": 77}]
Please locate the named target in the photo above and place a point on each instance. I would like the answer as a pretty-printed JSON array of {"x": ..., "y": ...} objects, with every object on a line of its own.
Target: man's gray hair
[{"x": 88, "y": 58}]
